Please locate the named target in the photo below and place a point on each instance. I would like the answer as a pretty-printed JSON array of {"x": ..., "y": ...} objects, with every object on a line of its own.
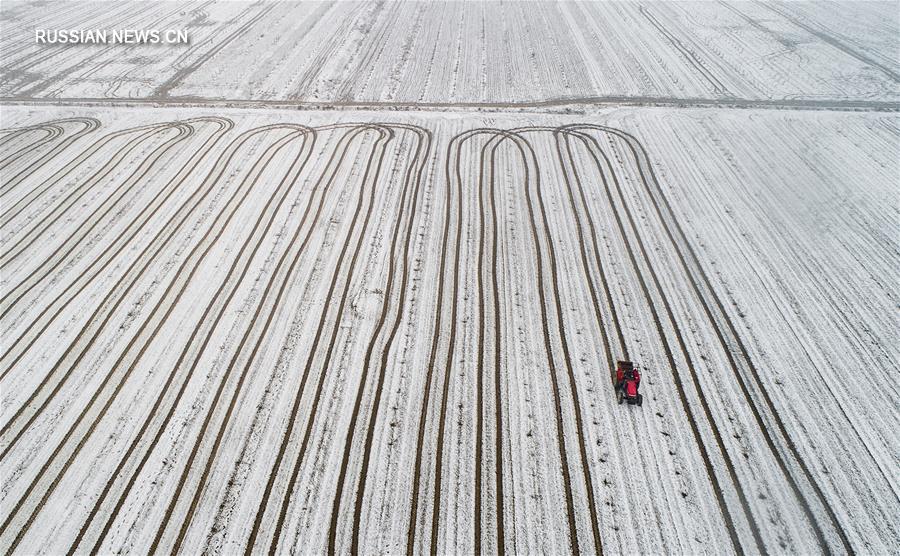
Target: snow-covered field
[
  {"x": 461, "y": 52},
  {"x": 247, "y": 328},
  {"x": 228, "y": 330}
]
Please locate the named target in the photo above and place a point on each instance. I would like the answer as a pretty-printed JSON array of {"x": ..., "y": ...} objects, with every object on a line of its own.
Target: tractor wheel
[
  {"x": 620, "y": 396},
  {"x": 640, "y": 400}
]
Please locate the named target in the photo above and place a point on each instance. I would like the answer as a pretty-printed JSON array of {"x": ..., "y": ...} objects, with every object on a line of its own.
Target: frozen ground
[{"x": 228, "y": 330}]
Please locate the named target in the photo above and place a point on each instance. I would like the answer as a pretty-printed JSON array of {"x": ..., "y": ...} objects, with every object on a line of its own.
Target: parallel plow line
[
  {"x": 728, "y": 337},
  {"x": 90, "y": 125},
  {"x": 39, "y": 55},
  {"x": 233, "y": 279},
  {"x": 496, "y": 138},
  {"x": 688, "y": 54},
  {"x": 122, "y": 242},
  {"x": 44, "y": 222},
  {"x": 594, "y": 148},
  {"x": 16, "y": 348},
  {"x": 76, "y": 193},
  {"x": 605, "y": 168},
  {"x": 387, "y": 133},
  {"x": 191, "y": 353},
  {"x": 52, "y": 132},
  {"x": 423, "y": 148},
  {"x": 95, "y": 327},
  {"x": 105, "y": 212},
  {"x": 278, "y": 282}
]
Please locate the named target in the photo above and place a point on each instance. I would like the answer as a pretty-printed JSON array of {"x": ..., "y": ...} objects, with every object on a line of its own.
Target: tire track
[
  {"x": 232, "y": 281},
  {"x": 332, "y": 42},
  {"x": 13, "y": 43},
  {"x": 45, "y": 221},
  {"x": 41, "y": 188},
  {"x": 498, "y": 136},
  {"x": 497, "y": 140},
  {"x": 436, "y": 335},
  {"x": 40, "y": 55},
  {"x": 578, "y": 421},
  {"x": 154, "y": 411},
  {"x": 435, "y": 342},
  {"x": 12, "y": 134},
  {"x": 66, "y": 248},
  {"x": 111, "y": 253},
  {"x": 417, "y": 472},
  {"x": 5, "y": 430},
  {"x": 560, "y": 136},
  {"x": 197, "y": 492},
  {"x": 77, "y": 192},
  {"x": 522, "y": 146},
  {"x": 92, "y": 62},
  {"x": 195, "y": 478},
  {"x": 92, "y": 330},
  {"x": 385, "y": 137},
  {"x": 53, "y": 131},
  {"x": 424, "y": 140},
  {"x": 182, "y": 278},
  {"x": 114, "y": 83},
  {"x": 457, "y": 142},
  {"x": 381, "y": 128},
  {"x": 90, "y": 125},
  {"x": 179, "y": 76},
  {"x": 717, "y": 86},
  {"x": 272, "y": 475},
  {"x": 607, "y": 292},
  {"x": 833, "y": 41},
  {"x": 183, "y": 132},
  {"x": 700, "y": 282},
  {"x": 589, "y": 142}
]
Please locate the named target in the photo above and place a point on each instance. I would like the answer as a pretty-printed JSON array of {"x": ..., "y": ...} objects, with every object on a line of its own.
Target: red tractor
[{"x": 627, "y": 382}]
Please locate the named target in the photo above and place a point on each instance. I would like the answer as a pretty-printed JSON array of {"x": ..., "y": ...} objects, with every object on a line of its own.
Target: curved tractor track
[
  {"x": 91, "y": 333},
  {"x": 52, "y": 132},
  {"x": 794, "y": 470},
  {"x": 782, "y": 448},
  {"x": 727, "y": 337},
  {"x": 209, "y": 331},
  {"x": 57, "y": 127}
]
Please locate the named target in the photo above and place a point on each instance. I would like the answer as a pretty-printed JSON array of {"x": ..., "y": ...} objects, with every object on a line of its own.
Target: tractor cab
[{"x": 627, "y": 383}]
